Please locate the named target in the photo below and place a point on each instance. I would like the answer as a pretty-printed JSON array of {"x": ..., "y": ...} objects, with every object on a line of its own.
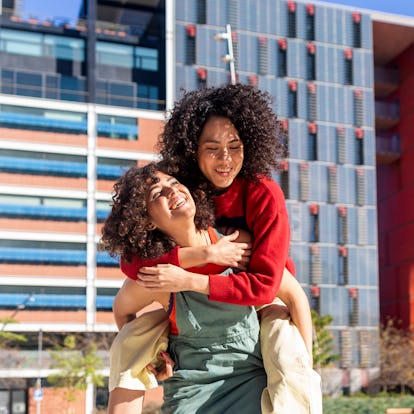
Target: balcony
[
  {"x": 386, "y": 81},
  {"x": 104, "y": 29},
  {"x": 387, "y": 149},
  {"x": 387, "y": 115}
]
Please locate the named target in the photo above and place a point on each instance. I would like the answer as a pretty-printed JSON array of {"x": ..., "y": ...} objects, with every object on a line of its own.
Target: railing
[
  {"x": 54, "y": 301},
  {"x": 80, "y": 95},
  {"x": 386, "y": 75},
  {"x": 387, "y": 149},
  {"x": 388, "y": 144},
  {"x": 101, "y": 27},
  {"x": 42, "y": 212},
  {"x": 57, "y": 168},
  {"x": 22, "y": 359},
  {"x": 389, "y": 110},
  {"x": 52, "y": 256},
  {"x": 52, "y": 124}
]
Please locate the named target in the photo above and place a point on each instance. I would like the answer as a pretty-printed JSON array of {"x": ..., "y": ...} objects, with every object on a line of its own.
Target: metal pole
[
  {"x": 231, "y": 55},
  {"x": 169, "y": 54},
  {"x": 39, "y": 363}
]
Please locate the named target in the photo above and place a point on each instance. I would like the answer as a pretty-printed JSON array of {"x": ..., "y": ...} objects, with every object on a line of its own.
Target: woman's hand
[
  {"x": 170, "y": 278},
  {"x": 164, "y": 370},
  {"x": 228, "y": 252}
]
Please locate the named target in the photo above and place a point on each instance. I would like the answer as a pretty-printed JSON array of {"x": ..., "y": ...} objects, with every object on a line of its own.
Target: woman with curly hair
[
  {"x": 226, "y": 141},
  {"x": 215, "y": 345}
]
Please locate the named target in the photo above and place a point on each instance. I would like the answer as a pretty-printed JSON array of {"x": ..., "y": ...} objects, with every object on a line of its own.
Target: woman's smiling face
[
  {"x": 220, "y": 152},
  {"x": 168, "y": 203}
]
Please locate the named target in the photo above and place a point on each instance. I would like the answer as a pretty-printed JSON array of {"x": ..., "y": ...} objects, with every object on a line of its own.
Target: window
[
  {"x": 284, "y": 179},
  {"x": 65, "y": 48},
  {"x": 343, "y": 270},
  {"x": 359, "y": 146},
  {"x": 348, "y": 71},
  {"x": 291, "y": 19},
  {"x": 315, "y": 265},
  {"x": 362, "y": 229},
  {"x": 304, "y": 181},
  {"x": 18, "y": 42},
  {"x": 311, "y": 62},
  {"x": 190, "y": 45},
  {"x": 262, "y": 56},
  {"x": 353, "y": 307},
  {"x": 314, "y": 223},
  {"x": 342, "y": 225},
  {"x": 312, "y": 142},
  {"x": 233, "y": 13},
  {"x": 310, "y": 22},
  {"x": 114, "y": 54},
  {"x": 356, "y": 18},
  {"x": 341, "y": 145},
  {"x": 292, "y": 99},
  {"x": 312, "y": 104},
  {"x": 43, "y": 119},
  {"x": 360, "y": 186},
  {"x": 121, "y": 93},
  {"x": 72, "y": 89},
  {"x": 29, "y": 84},
  {"x": 345, "y": 345},
  {"x": 282, "y": 58},
  {"x": 146, "y": 59},
  {"x": 120, "y": 127},
  {"x": 358, "y": 108},
  {"x": 332, "y": 184},
  {"x": 148, "y": 97},
  {"x": 364, "y": 349},
  {"x": 201, "y": 11},
  {"x": 315, "y": 302}
]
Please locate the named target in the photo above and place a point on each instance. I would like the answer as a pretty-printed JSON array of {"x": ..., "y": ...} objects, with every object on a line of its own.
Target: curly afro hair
[
  {"x": 250, "y": 111},
  {"x": 125, "y": 231}
]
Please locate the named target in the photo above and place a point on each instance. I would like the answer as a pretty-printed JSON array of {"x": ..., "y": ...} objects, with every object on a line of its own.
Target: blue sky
[
  {"x": 70, "y": 8},
  {"x": 48, "y": 9},
  {"x": 404, "y": 7}
]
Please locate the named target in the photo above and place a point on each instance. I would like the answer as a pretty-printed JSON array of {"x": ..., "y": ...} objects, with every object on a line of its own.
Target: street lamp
[
  {"x": 19, "y": 307},
  {"x": 229, "y": 58}
]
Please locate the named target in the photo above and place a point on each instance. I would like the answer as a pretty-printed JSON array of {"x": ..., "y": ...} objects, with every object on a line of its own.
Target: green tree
[
  {"x": 9, "y": 339},
  {"x": 76, "y": 365},
  {"x": 396, "y": 358},
  {"x": 323, "y": 354}
]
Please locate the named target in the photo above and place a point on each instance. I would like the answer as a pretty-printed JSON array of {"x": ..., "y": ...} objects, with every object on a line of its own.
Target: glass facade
[{"x": 52, "y": 53}]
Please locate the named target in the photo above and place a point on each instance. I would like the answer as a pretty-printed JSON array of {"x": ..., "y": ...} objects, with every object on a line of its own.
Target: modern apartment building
[{"x": 83, "y": 95}]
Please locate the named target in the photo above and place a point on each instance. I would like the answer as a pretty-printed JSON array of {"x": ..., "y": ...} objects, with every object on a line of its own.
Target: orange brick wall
[{"x": 55, "y": 402}]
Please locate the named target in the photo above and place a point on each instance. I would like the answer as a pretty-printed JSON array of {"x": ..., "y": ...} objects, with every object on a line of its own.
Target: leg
[
  {"x": 292, "y": 385},
  {"x": 123, "y": 401}
]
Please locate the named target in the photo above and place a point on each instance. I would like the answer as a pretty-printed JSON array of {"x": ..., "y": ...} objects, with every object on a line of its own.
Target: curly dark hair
[
  {"x": 125, "y": 231},
  {"x": 250, "y": 111}
]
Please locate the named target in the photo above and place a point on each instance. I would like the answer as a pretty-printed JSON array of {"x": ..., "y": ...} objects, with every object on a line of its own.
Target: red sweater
[{"x": 261, "y": 208}]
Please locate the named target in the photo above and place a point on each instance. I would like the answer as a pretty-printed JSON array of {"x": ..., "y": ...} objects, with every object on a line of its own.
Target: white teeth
[{"x": 178, "y": 203}]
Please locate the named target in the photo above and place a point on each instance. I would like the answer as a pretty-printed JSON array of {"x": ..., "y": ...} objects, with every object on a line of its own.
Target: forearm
[
  {"x": 199, "y": 283},
  {"x": 170, "y": 278},
  {"x": 193, "y": 256}
]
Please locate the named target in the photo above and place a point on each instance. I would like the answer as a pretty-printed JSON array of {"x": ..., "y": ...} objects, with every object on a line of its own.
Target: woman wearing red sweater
[{"x": 226, "y": 141}]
